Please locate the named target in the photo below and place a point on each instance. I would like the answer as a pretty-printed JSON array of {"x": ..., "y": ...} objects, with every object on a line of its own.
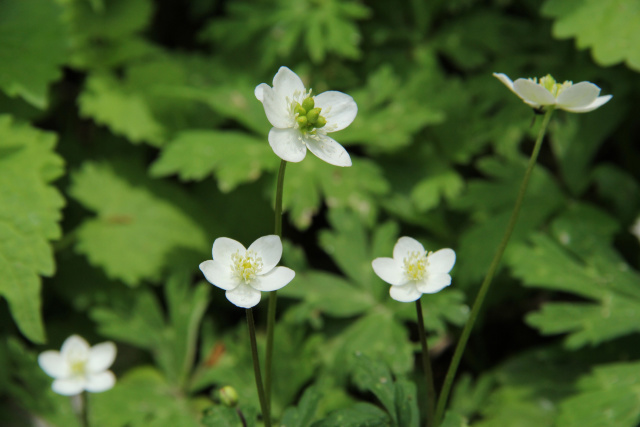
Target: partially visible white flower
[
  {"x": 243, "y": 273},
  {"x": 78, "y": 367},
  {"x": 635, "y": 228},
  {"x": 301, "y": 120},
  {"x": 577, "y": 98},
  {"x": 412, "y": 271}
]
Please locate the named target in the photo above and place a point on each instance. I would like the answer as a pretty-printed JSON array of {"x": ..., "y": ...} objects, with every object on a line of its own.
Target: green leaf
[
  {"x": 136, "y": 228},
  {"x": 609, "y": 396},
  {"x": 610, "y": 29},
  {"x": 427, "y": 193},
  {"x": 359, "y": 415},
  {"x": 454, "y": 420},
  {"x": 33, "y": 47},
  {"x": 310, "y": 182},
  {"x": 303, "y": 414},
  {"x": 374, "y": 376},
  {"x": 221, "y": 416},
  {"x": 125, "y": 113},
  {"x": 233, "y": 157},
  {"x": 142, "y": 398},
  {"x": 29, "y": 214}
]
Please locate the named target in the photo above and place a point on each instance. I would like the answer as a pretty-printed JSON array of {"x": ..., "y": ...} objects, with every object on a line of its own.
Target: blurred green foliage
[{"x": 130, "y": 139}]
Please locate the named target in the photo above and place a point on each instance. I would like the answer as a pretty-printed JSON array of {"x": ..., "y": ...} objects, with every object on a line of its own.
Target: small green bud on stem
[{"x": 229, "y": 396}]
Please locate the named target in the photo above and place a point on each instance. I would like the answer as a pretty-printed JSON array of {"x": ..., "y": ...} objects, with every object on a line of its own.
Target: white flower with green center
[
  {"x": 301, "y": 120},
  {"x": 78, "y": 367},
  {"x": 577, "y": 98},
  {"x": 412, "y": 271},
  {"x": 244, "y": 273}
]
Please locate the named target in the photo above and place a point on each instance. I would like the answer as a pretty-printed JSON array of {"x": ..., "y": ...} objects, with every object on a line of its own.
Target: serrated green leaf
[
  {"x": 310, "y": 182},
  {"x": 359, "y": 415},
  {"x": 125, "y": 113},
  {"x": 142, "y": 398},
  {"x": 303, "y": 414},
  {"x": 610, "y": 29},
  {"x": 233, "y": 157},
  {"x": 135, "y": 230},
  {"x": 374, "y": 376},
  {"x": 33, "y": 47},
  {"x": 609, "y": 396},
  {"x": 29, "y": 214},
  {"x": 427, "y": 193}
]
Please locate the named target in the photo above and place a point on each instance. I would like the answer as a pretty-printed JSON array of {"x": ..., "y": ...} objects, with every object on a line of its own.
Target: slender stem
[
  {"x": 426, "y": 366},
  {"x": 256, "y": 368},
  {"x": 83, "y": 398},
  {"x": 273, "y": 296},
  {"x": 484, "y": 288}
]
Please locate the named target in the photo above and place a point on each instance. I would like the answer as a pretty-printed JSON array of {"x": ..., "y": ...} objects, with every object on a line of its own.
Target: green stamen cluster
[
  {"x": 308, "y": 117},
  {"x": 552, "y": 86}
]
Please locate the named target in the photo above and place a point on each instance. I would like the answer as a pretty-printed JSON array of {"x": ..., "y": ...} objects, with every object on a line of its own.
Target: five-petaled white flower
[
  {"x": 413, "y": 272},
  {"x": 577, "y": 98},
  {"x": 243, "y": 273},
  {"x": 301, "y": 120},
  {"x": 78, "y": 367}
]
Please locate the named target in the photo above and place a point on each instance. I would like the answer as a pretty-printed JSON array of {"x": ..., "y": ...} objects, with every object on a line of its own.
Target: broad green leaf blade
[
  {"x": 359, "y": 415},
  {"x": 609, "y": 396},
  {"x": 29, "y": 214},
  {"x": 374, "y": 376},
  {"x": 233, "y": 157},
  {"x": 33, "y": 47},
  {"x": 221, "y": 416},
  {"x": 406, "y": 396},
  {"x": 610, "y": 29},
  {"x": 454, "y": 420},
  {"x": 303, "y": 414},
  {"x": 135, "y": 229},
  {"x": 128, "y": 114}
]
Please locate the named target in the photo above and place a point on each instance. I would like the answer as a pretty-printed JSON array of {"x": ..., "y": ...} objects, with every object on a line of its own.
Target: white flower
[
  {"x": 577, "y": 98},
  {"x": 77, "y": 366},
  {"x": 243, "y": 273},
  {"x": 302, "y": 121},
  {"x": 413, "y": 272}
]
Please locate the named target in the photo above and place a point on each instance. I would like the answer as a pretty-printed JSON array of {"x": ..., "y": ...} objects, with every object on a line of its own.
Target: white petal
[
  {"x": 53, "y": 364},
  {"x": 441, "y": 261},
  {"x": 601, "y": 100},
  {"x": 243, "y": 296},
  {"x": 269, "y": 248},
  {"x": 389, "y": 270},
  {"x": 68, "y": 386},
  {"x": 103, "y": 381},
  {"x": 505, "y": 80},
  {"x": 405, "y": 246},
  {"x": 338, "y": 108},
  {"x": 259, "y": 91},
  {"x": 434, "y": 283},
  {"x": 277, "y": 108},
  {"x": 223, "y": 248},
  {"x": 218, "y": 274},
  {"x": 287, "y": 144},
  {"x": 286, "y": 83},
  {"x": 274, "y": 280},
  {"x": 577, "y": 96},
  {"x": 328, "y": 149},
  {"x": 405, "y": 293},
  {"x": 75, "y": 347},
  {"x": 532, "y": 93},
  {"x": 101, "y": 356}
]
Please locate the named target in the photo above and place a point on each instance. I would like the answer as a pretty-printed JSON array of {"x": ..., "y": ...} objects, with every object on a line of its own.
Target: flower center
[
  {"x": 550, "y": 84},
  {"x": 415, "y": 265},
  {"x": 308, "y": 116},
  {"x": 246, "y": 267},
  {"x": 78, "y": 367}
]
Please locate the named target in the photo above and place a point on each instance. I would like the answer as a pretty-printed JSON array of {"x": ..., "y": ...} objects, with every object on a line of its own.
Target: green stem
[
  {"x": 273, "y": 296},
  {"x": 256, "y": 368},
  {"x": 426, "y": 365},
  {"x": 484, "y": 288}
]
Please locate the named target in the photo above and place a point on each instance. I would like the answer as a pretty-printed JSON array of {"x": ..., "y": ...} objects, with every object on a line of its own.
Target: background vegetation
[{"x": 130, "y": 139}]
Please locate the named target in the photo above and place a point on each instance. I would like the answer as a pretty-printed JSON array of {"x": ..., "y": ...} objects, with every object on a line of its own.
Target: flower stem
[
  {"x": 273, "y": 296},
  {"x": 426, "y": 366},
  {"x": 484, "y": 288},
  {"x": 256, "y": 368}
]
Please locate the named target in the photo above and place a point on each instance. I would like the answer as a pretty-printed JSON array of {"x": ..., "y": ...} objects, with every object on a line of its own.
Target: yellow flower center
[
  {"x": 246, "y": 267},
  {"x": 307, "y": 116},
  {"x": 551, "y": 85},
  {"x": 78, "y": 367},
  {"x": 415, "y": 265}
]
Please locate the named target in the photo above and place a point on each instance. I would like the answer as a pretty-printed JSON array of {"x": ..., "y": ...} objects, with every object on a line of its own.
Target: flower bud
[
  {"x": 229, "y": 396},
  {"x": 313, "y": 115},
  {"x": 308, "y": 104}
]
